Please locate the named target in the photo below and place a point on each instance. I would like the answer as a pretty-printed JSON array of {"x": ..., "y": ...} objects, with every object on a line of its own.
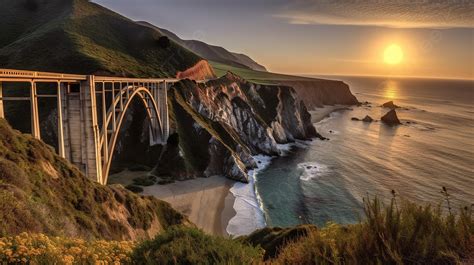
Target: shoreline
[
  {"x": 207, "y": 202},
  {"x": 248, "y": 206},
  {"x": 234, "y": 207}
]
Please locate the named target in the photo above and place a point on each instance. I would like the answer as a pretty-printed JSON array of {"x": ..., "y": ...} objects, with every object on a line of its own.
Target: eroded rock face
[
  {"x": 241, "y": 118},
  {"x": 391, "y": 118},
  {"x": 320, "y": 92}
]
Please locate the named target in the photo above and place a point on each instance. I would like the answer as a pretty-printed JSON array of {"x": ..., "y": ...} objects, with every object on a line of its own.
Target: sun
[{"x": 393, "y": 54}]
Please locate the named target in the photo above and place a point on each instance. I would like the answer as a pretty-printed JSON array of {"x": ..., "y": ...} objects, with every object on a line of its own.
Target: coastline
[
  {"x": 217, "y": 205},
  {"x": 207, "y": 202},
  {"x": 248, "y": 206}
]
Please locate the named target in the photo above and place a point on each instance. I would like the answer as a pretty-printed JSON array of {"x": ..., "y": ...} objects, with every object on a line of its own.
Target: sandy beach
[{"x": 206, "y": 201}]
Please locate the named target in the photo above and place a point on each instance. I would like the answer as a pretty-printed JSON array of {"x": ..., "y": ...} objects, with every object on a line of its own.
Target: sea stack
[
  {"x": 391, "y": 118},
  {"x": 390, "y": 105},
  {"x": 367, "y": 119}
]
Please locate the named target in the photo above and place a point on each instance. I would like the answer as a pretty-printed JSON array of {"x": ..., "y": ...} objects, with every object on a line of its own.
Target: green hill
[
  {"x": 212, "y": 52},
  {"x": 78, "y": 36}
]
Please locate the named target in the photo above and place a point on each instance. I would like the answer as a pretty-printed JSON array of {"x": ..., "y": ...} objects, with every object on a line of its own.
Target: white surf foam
[
  {"x": 249, "y": 210},
  {"x": 312, "y": 170}
]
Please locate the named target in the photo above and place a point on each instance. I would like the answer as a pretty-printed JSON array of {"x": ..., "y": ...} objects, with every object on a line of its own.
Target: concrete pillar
[
  {"x": 35, "y": 125},
  {"x": 61, "y": 149},
  {"x": 164, "y": 112},
  {"x": 91, "y": 133},
  {"x": 2, "y": 111}
]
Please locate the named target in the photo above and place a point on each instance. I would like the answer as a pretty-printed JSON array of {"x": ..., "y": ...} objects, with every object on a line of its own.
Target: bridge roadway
[{"x": 90, "y": 112}]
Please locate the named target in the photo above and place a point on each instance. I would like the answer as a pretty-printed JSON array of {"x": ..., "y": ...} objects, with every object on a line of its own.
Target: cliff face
[
  {"x": 42, "y": 193},
  {"x": 223, "y": 122},
  {"x": 319, "y": 92}
]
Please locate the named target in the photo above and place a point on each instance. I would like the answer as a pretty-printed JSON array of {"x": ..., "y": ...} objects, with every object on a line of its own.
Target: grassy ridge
[{"x": 253, "y": 76}]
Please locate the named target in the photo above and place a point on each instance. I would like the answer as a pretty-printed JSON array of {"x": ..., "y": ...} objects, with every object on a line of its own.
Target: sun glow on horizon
[{"x": 393, "y": 54}]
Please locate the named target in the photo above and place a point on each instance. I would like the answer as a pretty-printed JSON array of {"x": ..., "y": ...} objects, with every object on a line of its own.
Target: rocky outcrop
[
  {"x": 390, "y": 105},
  {"x": 391, "y": 118},
  {"x": 320, "y": 92},
  {"x": 367, "y": 118},
  {"x": 223, "y": 122}
]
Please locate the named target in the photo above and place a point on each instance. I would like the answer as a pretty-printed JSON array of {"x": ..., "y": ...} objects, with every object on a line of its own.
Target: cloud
[{"x": 397, "y": 14}]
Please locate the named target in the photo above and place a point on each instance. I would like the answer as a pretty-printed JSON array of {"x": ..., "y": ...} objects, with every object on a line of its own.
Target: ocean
[{"x": 326, "y": 181}]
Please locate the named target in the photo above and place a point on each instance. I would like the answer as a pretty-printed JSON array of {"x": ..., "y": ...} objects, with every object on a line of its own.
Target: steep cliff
[
  {"x": 223, "y": 122},
  {"x": 42, "y": 193},
  {"x": 314, "y": 92},
  {"x": 319, "y": 92}
]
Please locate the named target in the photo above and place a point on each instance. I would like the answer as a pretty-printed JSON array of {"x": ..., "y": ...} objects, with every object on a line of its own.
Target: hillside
[
  {"x": 42, "y": 193},
  {"x": 211, "y": 52},
  {"x": 78, "y": 36}
]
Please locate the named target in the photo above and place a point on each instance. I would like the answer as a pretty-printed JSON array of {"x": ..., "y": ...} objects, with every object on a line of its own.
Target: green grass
[{"x": 258, "y": 77}]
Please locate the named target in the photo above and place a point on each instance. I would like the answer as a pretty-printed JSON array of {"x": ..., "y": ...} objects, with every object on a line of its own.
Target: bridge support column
[
  {"x": 60, "y": 93},
  {"x": 163, "y": 110},
  {"x": 2, "y": 112},
  {"x": 91, "y": 135},
  {"x": 35, "y": 124}
]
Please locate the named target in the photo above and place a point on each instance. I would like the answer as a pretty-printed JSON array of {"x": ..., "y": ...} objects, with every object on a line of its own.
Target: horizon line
[{"x": 385, "y": 76}]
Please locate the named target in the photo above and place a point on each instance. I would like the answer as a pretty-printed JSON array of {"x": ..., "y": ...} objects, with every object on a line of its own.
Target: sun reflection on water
[{"x": 391, "y": 90}]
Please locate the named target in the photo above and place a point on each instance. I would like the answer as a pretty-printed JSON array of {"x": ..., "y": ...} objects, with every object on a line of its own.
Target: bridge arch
[{"x": 152, "y": 112}]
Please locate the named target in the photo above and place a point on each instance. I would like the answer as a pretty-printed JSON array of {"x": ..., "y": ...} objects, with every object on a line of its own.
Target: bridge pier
[{"x": 2, "y": 111}]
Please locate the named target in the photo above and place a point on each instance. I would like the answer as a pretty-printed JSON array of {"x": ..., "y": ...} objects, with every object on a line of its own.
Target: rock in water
[
  {"x": 390, "y": 105},
  {"x": 391, "y": 118},
  {"x": 355, "y": 119},
  {"x": 367, "y": 119}
]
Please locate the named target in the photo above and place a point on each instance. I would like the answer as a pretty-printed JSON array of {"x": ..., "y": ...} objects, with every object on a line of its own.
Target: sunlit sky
[{"x": 325, "y": 37}]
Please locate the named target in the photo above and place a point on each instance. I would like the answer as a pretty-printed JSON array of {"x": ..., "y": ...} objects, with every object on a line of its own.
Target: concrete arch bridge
[{"x": 90, "y": 112}]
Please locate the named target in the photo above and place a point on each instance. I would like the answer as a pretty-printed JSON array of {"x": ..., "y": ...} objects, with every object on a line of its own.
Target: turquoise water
[{"x": 323, "y": 181}]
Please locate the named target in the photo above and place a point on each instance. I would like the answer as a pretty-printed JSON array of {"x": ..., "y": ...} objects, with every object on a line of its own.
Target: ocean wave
[
  {"x": 312, "y": 170},
  {"x": 248, "y": 204}
]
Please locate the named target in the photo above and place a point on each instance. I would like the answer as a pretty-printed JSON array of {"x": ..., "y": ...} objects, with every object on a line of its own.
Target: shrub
[
  {"x": 134, "y": 188},
  {"x": 134, "y": 168},
  {"x": 163, "y": 42},
  {"x": 181, "y": 245},
  {"x": 412, "y": 234},
  {"x": 41, "y": 249},
  {"x": 144, "y": 181}
]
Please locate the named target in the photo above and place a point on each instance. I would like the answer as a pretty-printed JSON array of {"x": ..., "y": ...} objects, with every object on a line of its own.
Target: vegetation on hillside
[
  {"x": 395, "y": 234},
  {"x": 258, "y": 77},
  {"x": 41, "y": 249},
  {"x": 42, "y": 193},
  {"x": 404, "y": 233},
  {"x": 79, "y": 36},
  {"x": 182, "y": 245}
]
